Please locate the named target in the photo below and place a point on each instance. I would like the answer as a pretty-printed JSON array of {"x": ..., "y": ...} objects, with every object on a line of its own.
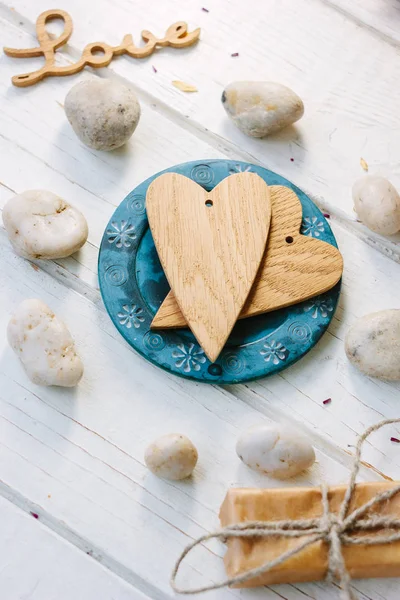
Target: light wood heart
[
  {"x": 294, "y": 267},
  {"x": 210, "y": 245}
]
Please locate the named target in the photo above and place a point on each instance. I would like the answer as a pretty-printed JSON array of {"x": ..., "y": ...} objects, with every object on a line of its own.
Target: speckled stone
[
  {"x": 172, "y": 456},
  {"x": 40, "y": 224},
  {"x": 377, "y": 204},
  {"x": 373, "y": 344},
  {"x": 260, "y": 108},
  {"x": 103, "y": 113},
  {"x": 276, "y": 450},
  {"x": 44, "y": 345}
]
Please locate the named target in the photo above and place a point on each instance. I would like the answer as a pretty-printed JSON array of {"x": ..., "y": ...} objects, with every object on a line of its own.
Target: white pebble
[
  {"x": 259, "y": 108},
  {"x": 373, "y": 344},
  {"x": 44, "y": 345},
  {"x": 103, "y": 113},
  {"x": 40, "y": 224},
  {"x": 377, "y": 204},
  {"x": 277, "y": 450},
  {"x": 172, "y": 456}
]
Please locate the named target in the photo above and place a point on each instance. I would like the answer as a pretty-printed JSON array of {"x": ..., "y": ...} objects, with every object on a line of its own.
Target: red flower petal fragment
[
  {"x": 235, "y": 54},
  {"x": 393, "y": 439},
  {"x": 327, "y": 401},
  {"x": 154, "y": 69},
  {"x": 34, "y": 515},
  {"x": 205, "y": 10}
]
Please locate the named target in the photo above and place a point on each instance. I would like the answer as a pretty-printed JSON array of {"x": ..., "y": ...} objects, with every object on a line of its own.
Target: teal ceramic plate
[{"x": 133, "y": 286}]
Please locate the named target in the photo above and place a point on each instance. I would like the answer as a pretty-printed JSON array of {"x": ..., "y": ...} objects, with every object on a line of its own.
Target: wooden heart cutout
[
  {"x": 210, "y": 245},
  {"x": 294, "y": 267}
]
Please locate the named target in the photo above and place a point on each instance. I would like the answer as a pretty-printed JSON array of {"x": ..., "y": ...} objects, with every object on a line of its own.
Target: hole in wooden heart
[
  {"x": 209, "y": 203},
  {"x": 289, "y": 239}
]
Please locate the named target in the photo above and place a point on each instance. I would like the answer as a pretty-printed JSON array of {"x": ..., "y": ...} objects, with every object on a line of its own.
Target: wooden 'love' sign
[
  {"x": 176, "y": 36},
  {"x": 294, "y": 267},
  {"x": 210, "y": 245}
]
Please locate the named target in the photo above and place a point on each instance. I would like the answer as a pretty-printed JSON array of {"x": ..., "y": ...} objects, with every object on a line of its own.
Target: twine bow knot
[
  {"x": 330, "y": 523},
  {"x": 335, "y": 529}
]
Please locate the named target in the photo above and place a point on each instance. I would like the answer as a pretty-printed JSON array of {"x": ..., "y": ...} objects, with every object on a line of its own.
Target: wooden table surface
[{"x": 106, "y": 528}]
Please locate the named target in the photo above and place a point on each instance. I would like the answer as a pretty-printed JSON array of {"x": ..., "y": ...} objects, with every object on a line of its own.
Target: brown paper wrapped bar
[{"x": 311, "y": 564}]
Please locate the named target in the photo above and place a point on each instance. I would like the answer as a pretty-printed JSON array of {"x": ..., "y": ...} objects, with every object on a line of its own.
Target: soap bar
[{"x": 310, "y": 564}]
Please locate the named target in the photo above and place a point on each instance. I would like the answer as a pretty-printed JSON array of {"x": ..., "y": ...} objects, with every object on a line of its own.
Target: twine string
[{"x": 334, "y": 529}]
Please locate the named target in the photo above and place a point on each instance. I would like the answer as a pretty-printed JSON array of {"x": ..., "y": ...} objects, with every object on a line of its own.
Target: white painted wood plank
[
  {"x": 361, "y": 266},
  {"x": 350, "y": 94},
  {"x": 73, "y": 454},
  {"x": 357, "y": 401},
  {"x": 75, "y": 446},
  {"x": 43, "y": 152},
  {"x": 362, "y": 261},
  {"x": 62, "y": 169},
  {"x": 38, "y": 564},
  {"x": 380, "y": 17}
]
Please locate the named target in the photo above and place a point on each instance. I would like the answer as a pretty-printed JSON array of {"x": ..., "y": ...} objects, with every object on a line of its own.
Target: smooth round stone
[
  {"x": 44, "y": 345},
  {"x": 259, "y": 108},
  {"x": 373, "y": 344},
  {"x": 40, "y": 224},
  {"x": 277, "y": 450},
  {"x": 172, "y": 456},
  {"x": 103, "y": 113},
  {"x": 377, "y": 204}
]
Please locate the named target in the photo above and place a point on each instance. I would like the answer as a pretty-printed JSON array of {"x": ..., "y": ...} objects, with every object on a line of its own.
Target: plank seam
[
  {"x": 360, "y": 23},
  {"x": 69, "y": 535}
]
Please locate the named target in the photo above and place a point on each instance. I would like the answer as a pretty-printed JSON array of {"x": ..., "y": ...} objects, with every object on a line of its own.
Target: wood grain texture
[
  {"x": 210, "y": 245},
  {"x": 294, "y": 267}
]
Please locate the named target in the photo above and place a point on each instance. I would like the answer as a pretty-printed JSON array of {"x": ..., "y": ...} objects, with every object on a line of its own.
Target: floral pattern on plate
[
  {"x": 131, "y": 316},
  {"x": 319, "y": 306},
  {"x": 189, "y": 357},
  {"x": 121, "y": 234},
  {"x": 312, "y": 227},
  {"x": 274, "y": 351}
]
